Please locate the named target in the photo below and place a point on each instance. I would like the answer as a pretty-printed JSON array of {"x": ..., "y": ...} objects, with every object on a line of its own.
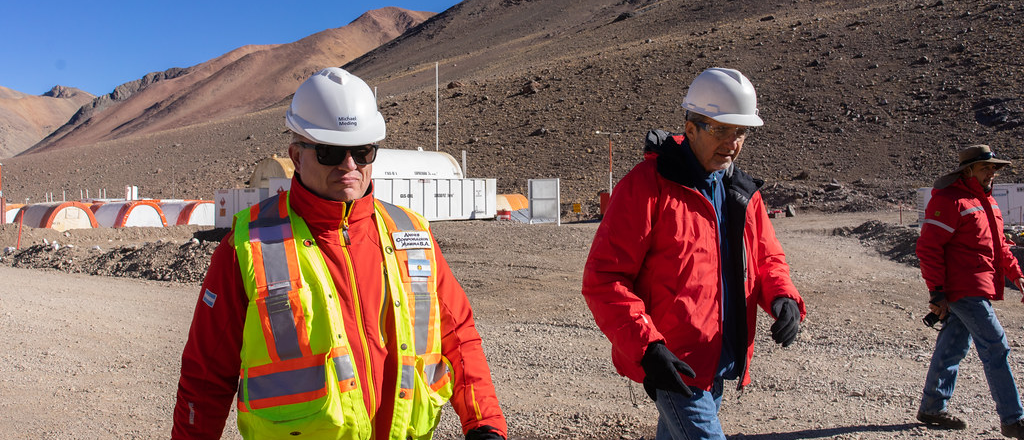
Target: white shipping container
[
  {"x": 230, "y": 201},
  {"x": 224, "y": 208},
  {"x": 441, "y": 199},
  {"x": 415, "y": 164},
  {"x": 278, "y": 184},
  {"x": 923, "y": 196},
  {"x": 435, "y": 199}
]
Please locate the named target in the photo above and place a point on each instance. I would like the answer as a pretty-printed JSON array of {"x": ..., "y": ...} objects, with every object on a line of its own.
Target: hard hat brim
[{"x": 735, "y": 119}]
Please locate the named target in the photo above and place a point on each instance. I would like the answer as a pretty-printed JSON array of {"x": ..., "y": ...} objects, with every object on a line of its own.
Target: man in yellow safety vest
[{"x": 328, "y": 313}]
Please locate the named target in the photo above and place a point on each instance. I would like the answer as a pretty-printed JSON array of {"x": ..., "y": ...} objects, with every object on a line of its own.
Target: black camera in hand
[{"x": 931, "y": 319}]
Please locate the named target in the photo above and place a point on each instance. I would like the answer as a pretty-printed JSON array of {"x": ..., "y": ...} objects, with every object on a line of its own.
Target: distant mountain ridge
[
  {"x": 25, "y": 119},
  {"x": 864, "y": 101},
  {"x": 242, "y": 81}
]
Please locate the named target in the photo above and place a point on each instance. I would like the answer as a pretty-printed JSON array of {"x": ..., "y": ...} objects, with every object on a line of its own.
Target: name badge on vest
[{"x": 411, "y": 240}]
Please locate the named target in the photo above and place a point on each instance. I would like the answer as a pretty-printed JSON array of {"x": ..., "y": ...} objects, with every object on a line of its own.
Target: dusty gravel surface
[
  {"x": 864, "y": 101},
  {"x": 98, "y": 356}
]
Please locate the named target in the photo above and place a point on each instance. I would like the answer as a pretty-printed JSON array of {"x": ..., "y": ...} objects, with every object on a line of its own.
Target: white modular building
[{"x": 431, "y": 183}]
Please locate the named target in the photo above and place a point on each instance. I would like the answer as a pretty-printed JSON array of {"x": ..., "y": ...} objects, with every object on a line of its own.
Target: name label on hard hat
[
  {"x": 347, "y": 120},
  {"x": 411, "y": 240}
]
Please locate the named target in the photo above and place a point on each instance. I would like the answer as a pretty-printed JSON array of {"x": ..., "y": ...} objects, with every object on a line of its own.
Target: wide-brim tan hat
[{"x": 970, "y": 156}]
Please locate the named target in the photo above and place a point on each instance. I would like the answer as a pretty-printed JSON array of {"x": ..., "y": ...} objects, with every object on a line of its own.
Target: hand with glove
[
  {"x": 787, "y": 320},
  {"x": 484, "y": 432},
  {"x": 937, "y": 303},
  {"x": 662, "y": 370}
]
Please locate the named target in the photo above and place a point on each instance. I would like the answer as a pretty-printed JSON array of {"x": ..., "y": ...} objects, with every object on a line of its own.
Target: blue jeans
[
  {"x": 972, "y": 318},
  {"x": 695, "y": 418}
]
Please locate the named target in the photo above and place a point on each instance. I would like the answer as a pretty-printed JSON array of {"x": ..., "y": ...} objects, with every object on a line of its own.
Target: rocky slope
[{"x": 864, "y": 100}]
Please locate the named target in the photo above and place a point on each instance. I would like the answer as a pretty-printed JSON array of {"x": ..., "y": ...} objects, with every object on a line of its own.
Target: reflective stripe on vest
[
  {"x": 285, "y": 374},
  {"x": 275, "y": 384},
  {"x": 418, "y": 285},
  {"x": 425, "y": 382},
  {"x": 420, "y": 272},
  {"x": 270, "y": 233}
]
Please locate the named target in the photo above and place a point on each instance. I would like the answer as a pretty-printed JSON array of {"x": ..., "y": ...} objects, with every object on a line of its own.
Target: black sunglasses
[{"x": 334, "y": 155}]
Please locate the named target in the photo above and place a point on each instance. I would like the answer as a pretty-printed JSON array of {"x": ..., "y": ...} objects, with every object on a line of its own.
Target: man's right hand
[
  {"x": 941, "y": 308},
  {"x": 662, "y": 370},
  {"x": 937, "y": 304},
  {"x": 484, "y": 432}
]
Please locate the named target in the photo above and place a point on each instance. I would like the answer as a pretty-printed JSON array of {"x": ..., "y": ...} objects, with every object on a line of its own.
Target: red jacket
[
  {"x": 963, "y": 231},
  {"x": 210, "y": 362},
  {"x": 653, "y": 273}
]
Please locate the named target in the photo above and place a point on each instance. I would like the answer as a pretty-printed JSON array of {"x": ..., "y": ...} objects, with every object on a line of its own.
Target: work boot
[
  {"x": 1014, "y": 430},
  {"x": 946, "y": 420}
]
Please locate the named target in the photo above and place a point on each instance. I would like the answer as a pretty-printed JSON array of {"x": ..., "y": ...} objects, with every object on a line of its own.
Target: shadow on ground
[{"x": 826, "y": 432}]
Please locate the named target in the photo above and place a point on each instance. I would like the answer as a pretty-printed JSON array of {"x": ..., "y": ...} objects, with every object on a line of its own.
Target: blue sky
[{"x": 98, "y": 45}]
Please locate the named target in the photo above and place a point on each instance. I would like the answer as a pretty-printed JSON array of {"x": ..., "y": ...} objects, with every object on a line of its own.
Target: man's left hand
[
  {"x": 1019, "y": 282},
  {"x": 484, "y": 432},
  {"x": 787, "y": 320}
]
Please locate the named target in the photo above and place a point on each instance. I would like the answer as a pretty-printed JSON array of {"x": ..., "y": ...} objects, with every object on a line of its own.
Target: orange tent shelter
[
  {"x": 130, "y": 213},
  {"x": 12, "y": 211},
  {"x": 188, "y": 212},
  {"x": 511, "y": 202},
  {"x": 57, "y": 215}
]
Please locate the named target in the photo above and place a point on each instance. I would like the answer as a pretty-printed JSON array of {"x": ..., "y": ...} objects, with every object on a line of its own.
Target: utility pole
[
  {"x": 610, "y": 134},
  {"x": 437, "y": 109},
  {"x": 3, "y": 201}
]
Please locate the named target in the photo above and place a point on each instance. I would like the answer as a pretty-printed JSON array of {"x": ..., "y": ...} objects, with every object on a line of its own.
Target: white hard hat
[
  {"x": 337, "y": 108},
  {"x": 724, "y": 95}
]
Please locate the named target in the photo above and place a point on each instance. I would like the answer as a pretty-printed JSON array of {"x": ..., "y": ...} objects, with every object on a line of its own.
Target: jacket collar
[
  {"x": 322, "y": 214},
  {"x": 972, "y": 186},
  {"x": 677, "y": 163}
]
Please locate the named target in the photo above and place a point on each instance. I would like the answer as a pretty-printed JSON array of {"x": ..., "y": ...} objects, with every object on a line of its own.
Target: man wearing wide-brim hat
[
  {"x": 964, "y": 259},
  {"x": 975, "y": 154}
]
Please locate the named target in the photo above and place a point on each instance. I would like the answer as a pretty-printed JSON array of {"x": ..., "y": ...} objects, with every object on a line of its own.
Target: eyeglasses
[
  {"x": 334, "y": 155},
  {"x": 723, "y": 131}
]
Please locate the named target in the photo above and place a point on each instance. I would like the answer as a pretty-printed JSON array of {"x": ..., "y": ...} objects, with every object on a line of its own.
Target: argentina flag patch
[
  {"x": 419, "y": 267},
  {"x": 209, "y": 298}
]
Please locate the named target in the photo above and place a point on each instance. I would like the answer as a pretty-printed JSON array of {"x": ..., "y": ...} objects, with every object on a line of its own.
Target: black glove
[
  {"x": 937, "y": 306},
  {"x": 484, "y": 432},
  {"x": 787, "y": 320},
  {"x": 662, "y": 370}
]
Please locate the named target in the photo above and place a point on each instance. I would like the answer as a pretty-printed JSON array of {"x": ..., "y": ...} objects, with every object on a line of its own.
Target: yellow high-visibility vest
[{"x": 298, "y": 378}]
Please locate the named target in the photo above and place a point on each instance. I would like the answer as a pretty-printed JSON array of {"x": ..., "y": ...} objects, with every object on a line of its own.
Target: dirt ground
[{"x": 98, "y": 356}]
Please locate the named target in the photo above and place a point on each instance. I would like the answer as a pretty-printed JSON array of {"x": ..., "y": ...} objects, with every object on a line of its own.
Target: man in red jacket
[
  {"x": 684, "y": 256},
  {"x": 322, "y": 256},
  {"x": 964, "y": 259}
]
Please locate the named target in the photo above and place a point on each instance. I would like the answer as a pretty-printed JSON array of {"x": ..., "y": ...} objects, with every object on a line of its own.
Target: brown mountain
[
  {"x": 242, "y": 81},
  {"x": 25, "y": 119},
  {"x": 864, "y": 100}
]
